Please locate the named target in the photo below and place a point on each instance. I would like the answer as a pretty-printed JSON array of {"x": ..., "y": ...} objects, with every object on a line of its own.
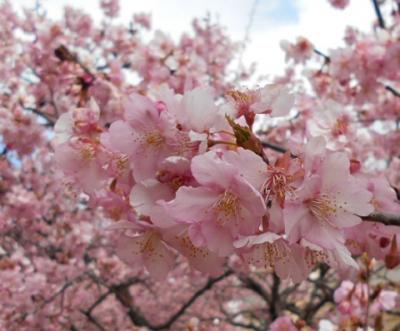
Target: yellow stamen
[
  {"x": 87, "y": 152},
  {"x": 227, "y": 206},
  {"x": 154, "y": 138}
]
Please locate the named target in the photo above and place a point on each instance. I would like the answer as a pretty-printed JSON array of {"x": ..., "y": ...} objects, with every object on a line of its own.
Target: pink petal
[
  {"x": 250, "y": 165},
  {"x": 192, "y": 204},
  {"x": 140, "y": 111},
  {"x": 249, "y": 197},
  {"x": 129, "y": 249},
  {"x": 219, "y": 239},
  {"x": 120, "y": 136},
  {"x": 335, "y": 172},
  {"x": 344, "y": 219},
  {"x": 146, "y": 201},
  {"x": 210, "y": 170},
  {"x": 356, "y": 199},
  {"x": 293, "y": 214},
  {"x": 267, "y": 237},
  {"x": 159, "y": 260},
  {"x": 200, "y": 111}
]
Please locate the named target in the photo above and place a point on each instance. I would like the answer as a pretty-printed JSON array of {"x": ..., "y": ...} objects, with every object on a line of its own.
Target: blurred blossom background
[{"x": 264, "y": 23}]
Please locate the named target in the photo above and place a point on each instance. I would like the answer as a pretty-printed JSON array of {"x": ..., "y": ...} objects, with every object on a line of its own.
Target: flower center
[
  {"x": 340, "y": 126},
  {"x": 240, "y": 98},
  {"x": 227, "y": 205},
  {"x": 122, "y": 162},
  {"x": 154, "y": 138},
  {"x": 277, "y": 183},
  {"x": 147, "y": 245},
  {"x": 322, "y": 208},
  {"x": 87, "y": 152}
]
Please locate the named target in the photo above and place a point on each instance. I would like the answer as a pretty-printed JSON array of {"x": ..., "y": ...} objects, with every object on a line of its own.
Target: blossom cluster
[
  {"x": 354, "y": 301},
  {"x": 185, "y": 173},
  {"x": 190, "y": 175}
]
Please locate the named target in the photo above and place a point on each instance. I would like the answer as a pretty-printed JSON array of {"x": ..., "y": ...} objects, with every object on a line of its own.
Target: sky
[{"x": 273, "y": 21}]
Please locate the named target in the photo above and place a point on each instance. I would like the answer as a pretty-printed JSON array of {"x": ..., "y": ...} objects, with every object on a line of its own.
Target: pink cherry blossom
[
  {"x": 224, "y": 206},
  {"x": 300, "y": 51},
  {"x": 325, "y": 203}
]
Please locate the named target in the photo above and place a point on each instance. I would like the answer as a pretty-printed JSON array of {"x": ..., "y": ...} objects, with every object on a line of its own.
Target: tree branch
[
  {"x": 384, "y": 218},
  {"x": 136, "y": 317},
  {"x": 326, "y": 57},
  {"x": 210, "y": 283},
  {"x": 274, "y": 306},
  {"x": 392, "y": 90},
  {"x": 274, "y": 147},
  {"x": 378, "y": 13},
  {"x": 99, "y": 300},
  {"x": 49, "y": 120},
  {"x": 64, "y": 54},
  {"x": 93, "y": 320},
  {"x": 256, "y": 287}
]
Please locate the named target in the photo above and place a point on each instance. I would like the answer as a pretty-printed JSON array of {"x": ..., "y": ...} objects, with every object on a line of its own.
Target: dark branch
[
  {"x": 252, "y": 284},
  {"x": 47, "y": 118},
  {"x": 392, "y": 90},
  {"x": 122, "y": 294},
  {"x": 99, "y": 300},
  {"x": 93, "y": 320},
  {"x": 326, "y": 57},
  {"x": 210, "y": 283},
  {"x": 274, "y": 147},
  {"x": 387, "y": 219},
  {"x": 63, "y": 289},
  {"x": 64, "y": 54},
  {"x": 378, "y": 14},
  {"x": 274, "y": 307}
]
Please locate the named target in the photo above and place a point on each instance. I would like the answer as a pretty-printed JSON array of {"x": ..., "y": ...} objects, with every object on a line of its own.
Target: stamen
[
  {"x": 323, "y": 208},
  {"x": 277, "y": 183},
  {"x": 154, "y": 138},
  {"x": 87, "y": 152},
  {"x": 227, "y": 206},
  {"x": 240, "y": 98},
  {"x": 122, "y": 162}
]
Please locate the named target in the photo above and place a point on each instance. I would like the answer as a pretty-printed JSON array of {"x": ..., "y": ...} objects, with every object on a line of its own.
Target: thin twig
[
  {"x": 384, "y": 218},
  {"x": 378, "y": 13},
  {"x": 64, "y": 54},
  {"x": 49, "y": 120},
  {"x": 326, "y": 57},
  {"x": 93, "y": 320},
  {"x": 246, "y": 37},
  {"x": 392, "y": 90},
  {"x": 210, "y": 283}
]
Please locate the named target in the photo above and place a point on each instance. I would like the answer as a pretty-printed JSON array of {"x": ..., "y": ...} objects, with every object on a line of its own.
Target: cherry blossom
[{"x": 145, "y": 182}]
